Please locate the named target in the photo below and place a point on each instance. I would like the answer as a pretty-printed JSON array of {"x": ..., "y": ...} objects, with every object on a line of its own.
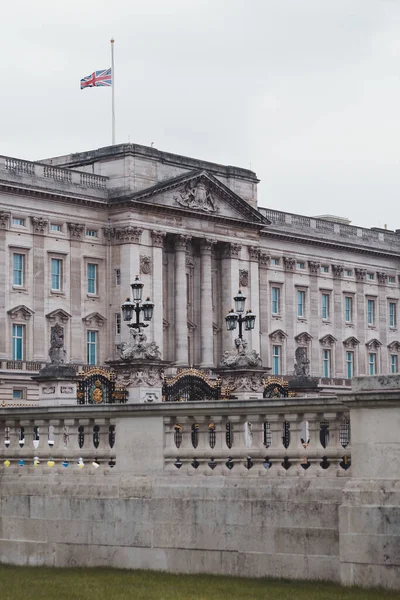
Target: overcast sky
[{"x": 304, "y": 92}]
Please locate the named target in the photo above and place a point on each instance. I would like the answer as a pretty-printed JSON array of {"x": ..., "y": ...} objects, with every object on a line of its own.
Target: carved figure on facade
[
  {"x": 197, "y": 197},
  {"x": 302, "y": 364},
  {"x": 39, "y": 224},
  {"x": 337, "y": 271},
  {"x": 151, "y": 376},
  {"x": 109, "y": 233},
  {"x": 190, "y": 262},
  {"x": 245, "y": 382},
  {"x": 145, "y": 264},
  {"x": 138, "y": 347},
  {"x": 243, "y": 278},
  {"x": 314, "y": 267},
  {"x": 241, "y": 358},
  {"x": 56, "y": 352}
]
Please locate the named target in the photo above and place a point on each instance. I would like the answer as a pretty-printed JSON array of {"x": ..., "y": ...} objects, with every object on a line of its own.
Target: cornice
[
  {"x": 50, "y": 195},
  {"x": 298, "y": 238}
]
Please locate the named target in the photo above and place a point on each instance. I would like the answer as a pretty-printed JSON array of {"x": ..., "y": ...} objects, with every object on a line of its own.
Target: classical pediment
[
  {"x": 303, "y": 338},
  {"x": 278, "y": 335},
  {"x": 328, "y": 340},
  {"x": 94, "y": 319},
  {"x": 200, "y": 193},
  {"x": 373, "y": 344},
  {"x": 21, "y": 312},
  {"x": 394, "y": 346},
  {"x": 351, "y": 342},
  {"x": 58, "y": 315}
]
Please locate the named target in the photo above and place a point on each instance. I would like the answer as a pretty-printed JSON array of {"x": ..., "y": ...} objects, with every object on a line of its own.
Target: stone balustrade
[{"x": 43, "y": 175}]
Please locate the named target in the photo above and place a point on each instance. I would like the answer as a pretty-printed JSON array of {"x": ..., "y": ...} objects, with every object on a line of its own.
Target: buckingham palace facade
[{"x": 75, "y": 230}]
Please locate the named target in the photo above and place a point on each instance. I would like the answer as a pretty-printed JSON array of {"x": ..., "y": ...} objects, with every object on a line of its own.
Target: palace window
[
  {"x": 371, "y": 312},
  {"x": 324, "y": 269},
  {"x": 117, "y": 276},
  {"x": 326, "y": 363},
  {"x": 275, "y": 300},
  {"x": 18, "y": 269},
  {"x": 325, "y": 306},
  {"x": 55, "y": 227},
  {"x": 18, "y": 221},
  {"x": 92, "y": 233},
  {"x": 275, "y": 261},
  {"x": 348, "y": 273},
  {"x": 372, "y": 363},
  {"x": 301, "y": 300},
  {"x": 370, "y": 276},
  {"x": 18, "y": 342},
  {"x": 18, "y": 394},
  {"x": 276, "y": 360},
  {"x": 348, "y": 309},
  {"x": 394, "y": 363},
  {"x": 300, "y": 265},
  {"x": 117, "y": 323},
  {"x": 391, "y": 279},
  {"x": 91, "y": 278},
  {"x": 91, "y": 347},
  {"x": 56, "y": 274},
  {"x": 349, "y": 364},
  {"x": 392, "y": 315}
]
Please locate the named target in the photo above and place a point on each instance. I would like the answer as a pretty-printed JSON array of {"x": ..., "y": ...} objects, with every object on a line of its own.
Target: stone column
[
  {"x": 77, "y": 337},
  {"x": 229, "y": 287},
  {"x": 181, "y": 333},
  {"x": 369, "y": 535},
  {"x": 289, "y": 311},
  {"x": 314, "y": 302},
  {"x": 360, "y": 320},
  {"x": 337, "y": 319},
  {"x": 39, "y": 285},
  {"x": 264, "y": 309},
  {"x": 129, "y": 238},
  {"x": 4, "y": 218},
  {"x": 382, "y": 322},
  {"x": 158, "y": 295},
  {"x": 254, "y": 301},
  {"x": 206, "y": 313}
]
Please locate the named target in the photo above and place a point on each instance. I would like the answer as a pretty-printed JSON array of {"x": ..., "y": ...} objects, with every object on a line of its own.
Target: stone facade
[{"x": 75, "y": 230}]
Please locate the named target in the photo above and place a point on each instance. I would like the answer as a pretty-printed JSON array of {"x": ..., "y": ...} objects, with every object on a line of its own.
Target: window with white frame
[
  {"x": 348, "y": 273},
  {"x": 372, "y": 363},
  {"x": 325, "y": 308},
  {"x": 325, "y": 269},
  {"x": 392, "y": 314},
  {"x": 91, "y": 347},
  {"x": 56, "y": 265},
  {"x": 275, "y": 261},
  {"x": 117, "y": 276},
  {"x": 326, "y": 363},
  {"x": 92, "y": 233},
  {"x": 276, "y": 360},
  {"x": 92, "y": 278},
  {"x": 348, "y": 309},
  {"x": 301, "y": 303},
  {"x": 370, "y": 276},
  {"x": 55, "y": 227},
  {"x": 18, "y": 342},
  {"x": 349, "y": 364},
  {"x": 371, "y": 312},
  {"x": 18, "y": 221},
  {"x": 117, "y": 323},
  {"x": 18, "y": 269},
  {"x": 391, "y": 279},
  {"x": 275, "y": 300},
  {"x": 18, "y": 394},
  {"x": 394, "y": 363},
  {"x": 300, "y": 265}
]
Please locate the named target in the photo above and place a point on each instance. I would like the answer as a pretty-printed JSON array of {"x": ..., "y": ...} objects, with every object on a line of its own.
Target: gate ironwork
[
  {"x": 276, "y": 387},
  {"x": 98, "y": 387},
  {"x": 191, "y": 385}
]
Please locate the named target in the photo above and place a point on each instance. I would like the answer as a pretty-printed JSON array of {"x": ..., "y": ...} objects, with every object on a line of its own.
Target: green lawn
[{"x": 25, "y": 583}]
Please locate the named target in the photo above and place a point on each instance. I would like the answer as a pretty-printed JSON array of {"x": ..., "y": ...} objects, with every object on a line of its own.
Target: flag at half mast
[{"x": 97, "y": 79}]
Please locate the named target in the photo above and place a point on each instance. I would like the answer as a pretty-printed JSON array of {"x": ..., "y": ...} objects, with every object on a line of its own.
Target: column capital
[
  {"x": 337, "y": 271},
  {"x": 76, "y": 230},
  {"x": 254, "y": 253},
  {"x": 157, "y": 237},
  {"x": 181, "y": 241},
  {"x": 361, "y": 274},
  {"x": 289, "y": 262},
  {"x": 231, "y": 250},
  {"x": 4, "y": 218},
  {"x": 314, "y": 267},
  {"x": 128, "y": 234},
  {"x": 206, "y": 246},
  {"x": 39, "y": 224},
  {"x": 264, "y": 259}
]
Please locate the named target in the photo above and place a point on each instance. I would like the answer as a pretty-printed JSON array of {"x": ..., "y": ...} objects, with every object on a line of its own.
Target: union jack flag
[{"x": 97, "y": 79}]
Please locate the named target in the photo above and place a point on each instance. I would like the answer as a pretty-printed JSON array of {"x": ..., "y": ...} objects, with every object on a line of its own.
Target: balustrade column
[
  {"x": 181, "y": 332},
  {"x": 206, "y": 329}
]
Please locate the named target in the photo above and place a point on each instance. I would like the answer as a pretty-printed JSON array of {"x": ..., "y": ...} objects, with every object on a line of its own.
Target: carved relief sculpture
[
  {"x": 361, "y": 274},
  {"x": 243, "y": 278},
  {"x": 145, "y": 264},
  {"x": 289, "y": 262},
  {"x": 138, "y": 347},
  {"x": 314, "y": 267},
  {"x": 4, "y": 218},
  {"x": 197, "y": 197},
  {"x": 76, "y": 230},
  {"x": 57, "y": 352},
  {"x": 382, "y": 277},
  {"x": 39, "y": 224},
  {"x": 337, "y": 271}
]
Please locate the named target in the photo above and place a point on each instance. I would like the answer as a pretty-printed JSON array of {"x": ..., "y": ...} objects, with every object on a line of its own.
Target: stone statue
[
  {"x": 57, "y": 352},
  {"x": 138, "y": 347},
  {"x": 241, "y": 358},
  {"x": 302, "y": 365}
]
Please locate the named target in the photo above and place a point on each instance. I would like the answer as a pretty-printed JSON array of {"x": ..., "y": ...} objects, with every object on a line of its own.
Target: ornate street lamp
[
  {"x": 129, "y": 307},
  {"x": 235, "y": 317}
]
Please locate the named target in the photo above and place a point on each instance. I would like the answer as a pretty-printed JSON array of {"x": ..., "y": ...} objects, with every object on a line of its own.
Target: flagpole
[{"x": 112, "y": 92}]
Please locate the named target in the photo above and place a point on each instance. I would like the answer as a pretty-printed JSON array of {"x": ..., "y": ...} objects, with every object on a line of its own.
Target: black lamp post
[
  {"x": 129, "y": 307},
  {"x": 235, "y": 317}
]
